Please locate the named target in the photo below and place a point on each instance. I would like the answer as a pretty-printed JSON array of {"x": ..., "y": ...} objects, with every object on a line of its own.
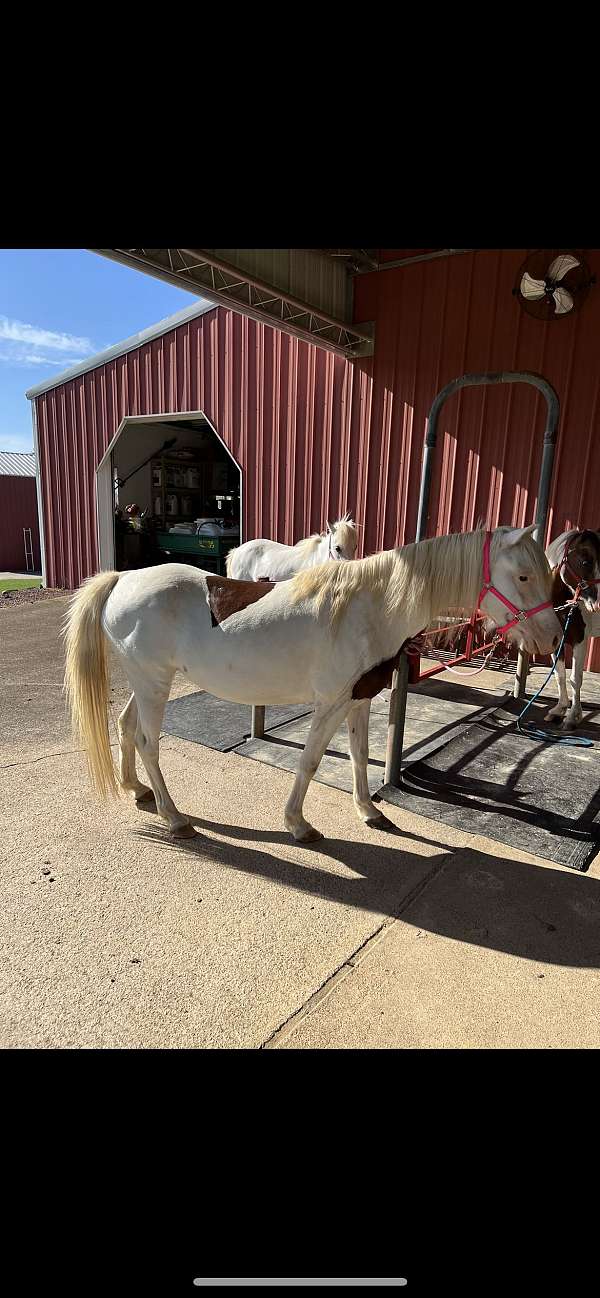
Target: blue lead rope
[{"x": 531, "y": 731}]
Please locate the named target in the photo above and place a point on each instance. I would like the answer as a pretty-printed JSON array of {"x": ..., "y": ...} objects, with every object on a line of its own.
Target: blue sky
[{"x": 59, "y": 306}]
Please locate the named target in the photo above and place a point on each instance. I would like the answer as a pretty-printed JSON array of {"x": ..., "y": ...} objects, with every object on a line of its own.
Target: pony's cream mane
[
  {"x": 309, "y": 543},
  {"x": 444, "y": 573},
  {"x": 229, "y": 558},
  {"x": 344, "y": 528}
]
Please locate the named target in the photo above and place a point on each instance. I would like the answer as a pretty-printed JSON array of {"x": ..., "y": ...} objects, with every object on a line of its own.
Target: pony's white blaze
[
  {"x": 272, "y": 561},
  {"x": 314, "y": 639}
]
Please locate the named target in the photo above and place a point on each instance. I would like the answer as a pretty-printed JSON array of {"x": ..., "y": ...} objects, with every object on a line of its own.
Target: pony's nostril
[{"x": 555, "y": 642}]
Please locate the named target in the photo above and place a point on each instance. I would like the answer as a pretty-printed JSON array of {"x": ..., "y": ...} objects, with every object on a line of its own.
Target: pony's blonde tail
[
  {"x": 87, "y": 680},
  {"x": 229, "y": 559}
]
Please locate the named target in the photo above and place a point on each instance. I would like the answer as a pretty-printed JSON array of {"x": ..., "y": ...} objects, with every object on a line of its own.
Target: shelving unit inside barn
[{"x": 182, "y": 503}]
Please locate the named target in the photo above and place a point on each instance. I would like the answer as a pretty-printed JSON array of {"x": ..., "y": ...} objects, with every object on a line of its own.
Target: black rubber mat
[
  {"x": 491, "y": 780},
  {"x": 218, "y": 724}
]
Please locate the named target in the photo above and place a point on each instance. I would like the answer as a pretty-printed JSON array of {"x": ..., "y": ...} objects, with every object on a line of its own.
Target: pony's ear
[
  {"x": 518, "y": 534},
  {"x": 329, "y": 528}
]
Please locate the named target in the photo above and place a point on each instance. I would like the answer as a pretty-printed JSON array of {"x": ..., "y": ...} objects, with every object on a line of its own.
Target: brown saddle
[{"x": 226, "y": 596}]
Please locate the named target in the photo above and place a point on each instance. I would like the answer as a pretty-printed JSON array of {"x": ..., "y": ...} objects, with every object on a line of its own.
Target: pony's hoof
[
  {"x": 144, "y": 798},
  {"x": 380, "y": 821},
  {"x": 310, "y": 835},
  {"x": 184, "y": 831}
]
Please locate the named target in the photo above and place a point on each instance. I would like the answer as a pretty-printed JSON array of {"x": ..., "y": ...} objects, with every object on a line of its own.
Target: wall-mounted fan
[{"x": 553, "y": 282}]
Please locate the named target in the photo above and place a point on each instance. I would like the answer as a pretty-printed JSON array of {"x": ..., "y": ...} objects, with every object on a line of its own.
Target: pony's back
[{"x": 262, "y": 559}]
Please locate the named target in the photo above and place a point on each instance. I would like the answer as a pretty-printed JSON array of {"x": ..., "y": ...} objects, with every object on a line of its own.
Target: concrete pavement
[{"x": 114, "y": 935}]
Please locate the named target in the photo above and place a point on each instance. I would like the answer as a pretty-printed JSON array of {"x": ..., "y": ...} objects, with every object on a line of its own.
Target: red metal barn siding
[
  {"x": 436, "y": 320},
  {"x": 18, "y": 509},
  {"x": 284, "y": 408},
  {"x": 316, "y": 434}
]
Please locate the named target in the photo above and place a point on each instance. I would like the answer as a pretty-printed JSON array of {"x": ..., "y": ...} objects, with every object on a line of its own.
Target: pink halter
[{"x": 521, "y": 615}]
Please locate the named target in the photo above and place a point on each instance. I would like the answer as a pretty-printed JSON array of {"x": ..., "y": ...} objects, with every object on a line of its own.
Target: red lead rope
[{"x": 521, "y": 615}]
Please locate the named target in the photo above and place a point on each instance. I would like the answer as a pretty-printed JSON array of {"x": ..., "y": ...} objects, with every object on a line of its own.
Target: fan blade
[
  {"x": 561, "y": 265},
  {"x": 563, "y": 300},
  {"x": 532, "y": 289}
]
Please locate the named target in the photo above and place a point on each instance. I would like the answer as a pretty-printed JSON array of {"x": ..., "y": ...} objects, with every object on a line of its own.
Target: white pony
[
  {"x": 331, "y": 636},
  {"x": 270, "y": 561}
]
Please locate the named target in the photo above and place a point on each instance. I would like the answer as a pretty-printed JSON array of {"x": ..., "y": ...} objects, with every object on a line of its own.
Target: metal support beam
[
  {"x": 200, "y": 271},
  {"x": 397, "y": 716},
  {"x": 422, "y": 256},
  {"x": 397, "y": 712},
  {"x": 258, "y": 723}
]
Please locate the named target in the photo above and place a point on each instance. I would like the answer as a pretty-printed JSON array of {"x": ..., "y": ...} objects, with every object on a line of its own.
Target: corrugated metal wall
[
  {"x": 290, "y": 413},
  {"x": 18, "y": 509},
  {"x": 437, "y": 320},
  {"x": 316, "y": 434}
]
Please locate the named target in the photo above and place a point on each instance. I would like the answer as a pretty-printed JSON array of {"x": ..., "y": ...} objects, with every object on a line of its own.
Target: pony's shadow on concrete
[{"x": 539, "y": 913}]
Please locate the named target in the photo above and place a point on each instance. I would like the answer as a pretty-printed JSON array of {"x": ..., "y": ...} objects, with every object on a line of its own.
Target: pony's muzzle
[
  {"x": 534, "y": 639},
  {"x": 544, "y": 644}
]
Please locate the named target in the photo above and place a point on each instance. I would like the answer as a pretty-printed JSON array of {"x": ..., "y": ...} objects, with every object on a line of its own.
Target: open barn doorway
[{"x": 168, "y": 490}]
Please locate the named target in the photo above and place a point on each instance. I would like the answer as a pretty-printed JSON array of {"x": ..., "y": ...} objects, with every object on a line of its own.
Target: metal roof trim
[
  {"x": 17, "y": 464},
  {"x": 128, "y": 345}
]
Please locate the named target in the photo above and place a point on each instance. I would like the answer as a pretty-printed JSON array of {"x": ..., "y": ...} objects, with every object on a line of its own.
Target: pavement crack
[
  {"x": 28, "y": 761},
  {"x": 347, "y": 967}
]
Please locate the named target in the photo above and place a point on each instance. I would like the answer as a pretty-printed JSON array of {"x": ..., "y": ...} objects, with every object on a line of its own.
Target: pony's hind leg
[
  {"x": 150, "y": 697},
  {"x": 358, "y": 734},
  {"x": 127, "y": 726},
  {"x": 325, "y": 722}
]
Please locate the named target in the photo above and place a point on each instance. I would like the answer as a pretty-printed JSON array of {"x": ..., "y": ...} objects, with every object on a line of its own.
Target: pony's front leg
[
  {"x": 557, "y": 712},
  {"x": 325, "y": 722},
  {"x": 574, "y": 716},
  {"x": 358, "y": 734}
]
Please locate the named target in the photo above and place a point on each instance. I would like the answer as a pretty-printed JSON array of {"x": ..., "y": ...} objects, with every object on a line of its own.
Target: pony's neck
[{"x": 435, "y": 576}]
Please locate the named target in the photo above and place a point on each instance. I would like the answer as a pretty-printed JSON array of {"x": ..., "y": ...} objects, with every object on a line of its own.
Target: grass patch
[{"x": 15, "y": 583}]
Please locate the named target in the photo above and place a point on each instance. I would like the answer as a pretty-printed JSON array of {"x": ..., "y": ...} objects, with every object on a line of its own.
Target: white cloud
[
  {"x": 25, "y": 346},
  {"x": 20, "y": 357},
  {"x": 16, "y": 331}
]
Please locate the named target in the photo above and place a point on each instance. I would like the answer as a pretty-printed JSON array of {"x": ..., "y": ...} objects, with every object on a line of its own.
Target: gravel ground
[{"x": 9, "y": 598}]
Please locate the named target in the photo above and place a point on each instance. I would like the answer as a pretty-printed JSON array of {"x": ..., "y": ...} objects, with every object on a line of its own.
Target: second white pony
[{"x": 263, "y": 560}]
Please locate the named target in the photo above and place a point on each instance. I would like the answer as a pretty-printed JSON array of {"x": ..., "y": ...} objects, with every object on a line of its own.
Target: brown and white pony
[{"x": 574, "y": 558}]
